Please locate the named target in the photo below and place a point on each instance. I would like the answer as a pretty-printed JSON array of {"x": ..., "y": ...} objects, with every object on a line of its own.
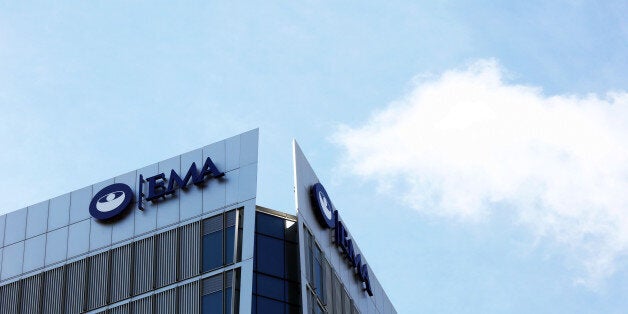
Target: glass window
[
  {"x": 217, "y": 293},
  {"x": 269, "y": 225},
  {"x": 276, "y": 286},
  {"x": 212, "y": 303},
  {"x": 219, "y": 241},
  {"x": 269, "y": 306},
  {"x": 212, "y": 251},
  {"x": 292, "y": 261},
  {"x": 270, "y": 259},
  {"x": 270, "y": 287}
]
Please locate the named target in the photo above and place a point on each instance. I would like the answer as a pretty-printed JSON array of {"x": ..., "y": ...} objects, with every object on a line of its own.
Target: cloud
[{"x": 468, "y": 143}]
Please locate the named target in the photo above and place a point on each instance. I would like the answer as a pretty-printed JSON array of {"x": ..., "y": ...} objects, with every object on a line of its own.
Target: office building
[{"x": 185, "y": 235}]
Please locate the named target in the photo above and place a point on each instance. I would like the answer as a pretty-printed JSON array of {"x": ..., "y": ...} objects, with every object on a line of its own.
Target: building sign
[
  {"x": 114, "y": 199},
  {"x": 111, "y": 201},
  {"x": 328, "y": 218}
]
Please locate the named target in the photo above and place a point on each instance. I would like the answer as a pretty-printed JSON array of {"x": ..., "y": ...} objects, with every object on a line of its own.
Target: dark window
[
  {"x": 219, "y": 241},
  {"x": 269, "y": 306},
  {"x": 270, "y": 287},
  {"x": 270, "y": 255},
  {"x": 212, "y": 303},
  {"x": 270, "y": 225},
  {"x": 217, "y": 293},
  {"x": 276, "y": 286},
  {"x": 212, "y": 251}
]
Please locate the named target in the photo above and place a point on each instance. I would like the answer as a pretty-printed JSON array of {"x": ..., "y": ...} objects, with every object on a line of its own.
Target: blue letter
[
  {"x": 156, "y": 188},
  {"x": 208, "y": 169},
  {"x": 175, "y": 178}
]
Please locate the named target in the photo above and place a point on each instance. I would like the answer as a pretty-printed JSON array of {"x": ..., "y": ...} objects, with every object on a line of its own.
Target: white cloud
[{"x": 468, "y": 142}]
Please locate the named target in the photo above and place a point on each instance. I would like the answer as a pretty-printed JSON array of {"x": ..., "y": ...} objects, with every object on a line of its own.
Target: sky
[{"x": 478, "y": 150}]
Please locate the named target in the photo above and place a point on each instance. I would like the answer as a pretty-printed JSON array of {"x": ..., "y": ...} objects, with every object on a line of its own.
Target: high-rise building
[{"x": 185, "y": 235}]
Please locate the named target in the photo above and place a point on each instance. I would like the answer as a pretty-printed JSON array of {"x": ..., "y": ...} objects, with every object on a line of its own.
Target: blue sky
[{"x": 478, "y": 151}]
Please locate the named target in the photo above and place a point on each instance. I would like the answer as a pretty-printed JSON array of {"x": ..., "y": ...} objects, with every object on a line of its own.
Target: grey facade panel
[
  {"x": 166, "y": 301},
  {"x": 59, "y": 212},
  {"x": 125, "y": 227},
  {"x": 15, "y": 229},
  {"x": 37, "y": 219},
  {"x": 12, "y": 258},
  {"x": 34, "y": 253},
  {"x": 233, "y": 182},
  {"x": 232, "y": 152},
  {"x": 247, "y": 185},
  {"x": 143, "y": 306},
  {"x": 53, "y": 296},
  {"x": 78, "y": 238},
  {"x": 189, "y": 300},
  {"x": 121, "y": 264},
  {"x": 56, "y": 245},
  {"x": 79, "y": 204},
  {"x": 214, "y": 194},
  {"x": 75, "y": 286},
  {"x": 10, "y": 297},
  {"x": 248, "y": 147},
  {"x": 99, "y": 235},
  {"x": 3, "y": 219},
  {"x": 190, "y": 243},
  {"x": 143, "y": 264},
  {"x": 98, "y": 280},
  {"x": 167, "y": 248},
  {"x": 31, "y": 294}
]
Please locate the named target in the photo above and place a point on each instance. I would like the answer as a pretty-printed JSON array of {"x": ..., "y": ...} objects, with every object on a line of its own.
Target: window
[
  {"x": 326, "y": 294},
  {"x": 318, "y": 271},
  {"x": 217, "y": 294},
  {"x": 219, "y": 240},
  {"x": 276, "y": 287}
]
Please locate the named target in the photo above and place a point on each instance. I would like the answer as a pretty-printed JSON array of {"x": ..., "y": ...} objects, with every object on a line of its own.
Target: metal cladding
[{"x": 173, "y": 237}]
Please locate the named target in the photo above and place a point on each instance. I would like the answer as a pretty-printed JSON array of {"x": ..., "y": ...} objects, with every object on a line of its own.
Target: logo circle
[
  {"x": 321, "y": 200},
  {"x": 111, "y": 201}
]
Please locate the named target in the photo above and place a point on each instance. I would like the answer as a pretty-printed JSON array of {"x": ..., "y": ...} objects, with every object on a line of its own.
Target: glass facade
[
  {"x": 134, "y": 270},
  {"x": 276, "y": 276},
  {"x": 219, "y": 240},
  {"x": 218, "y": 293},
  {"x": 326, "y": 294}
]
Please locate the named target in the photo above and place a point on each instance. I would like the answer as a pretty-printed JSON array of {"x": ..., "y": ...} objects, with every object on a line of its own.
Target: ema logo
[
  {"x": 326, "y": 209},
  {"x": 329, "y": 219},
  {"x": 111, "y": 201}
]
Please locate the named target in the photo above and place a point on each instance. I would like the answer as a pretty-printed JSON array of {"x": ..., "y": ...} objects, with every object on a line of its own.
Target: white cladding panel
[
  {"x": 304, "y": 178},
  {"x": 47, "y": 234}
]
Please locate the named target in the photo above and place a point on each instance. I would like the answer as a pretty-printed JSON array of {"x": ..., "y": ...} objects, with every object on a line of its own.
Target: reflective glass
[
  {"x": 270, "y": 259},
  {"x": 268, "y": 306},
  {"x": 212, "y": 303},
  {"x": 319, "y": 278},
  {"x": 269, "y": 225},
  {"x": 228, "y": 300},
  {"x": 212, "y": 250},
  {"x": 270, "y": 287},
  {"x": 292, "y": 261}
]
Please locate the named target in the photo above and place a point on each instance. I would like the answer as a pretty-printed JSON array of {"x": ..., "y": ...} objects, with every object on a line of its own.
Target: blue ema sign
[
  {"x": 111, "y": 201},
  {"x": 114, "y": 199},
  {"x": 328, "y": 218}
]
